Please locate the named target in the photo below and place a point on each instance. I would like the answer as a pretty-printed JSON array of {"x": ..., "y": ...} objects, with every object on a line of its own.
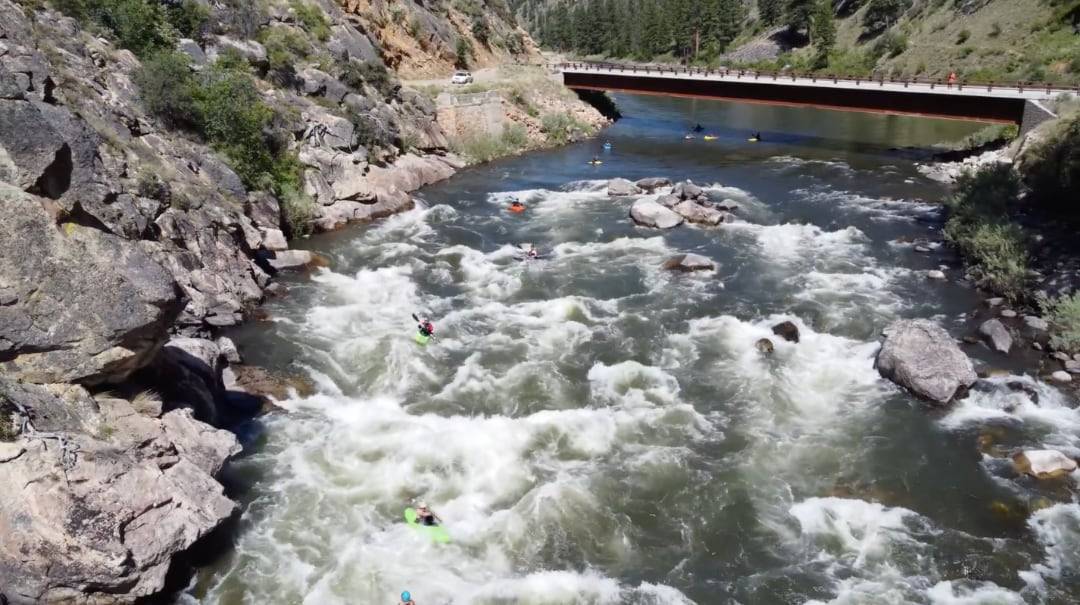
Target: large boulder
[
  {"x": 622, "y": 188},
  {"x": 694, "y": 212},
  {"x": 688, "y": 263},
  {"x": 653, "y": 183},
  {"x": 648, "y": 213},
  {"x": 687, "y": 190},
  {"x": 81, "y": 305},
  {"x": 1044, "y": 464},
  {"x": 107, "y": 496},
  {"x": 787, "y": 330},
  {"x": 920, "y": 356},
  {"x": 250, "y": 50},
  {"x": 997, "y": 335}
]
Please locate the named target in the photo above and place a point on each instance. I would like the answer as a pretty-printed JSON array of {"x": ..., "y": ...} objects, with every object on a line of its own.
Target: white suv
[{"x": 461, "y": 77}]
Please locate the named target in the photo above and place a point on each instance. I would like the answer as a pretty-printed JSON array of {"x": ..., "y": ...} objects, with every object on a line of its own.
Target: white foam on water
[
  {"x": 803, "y": 244},
  {"x": 972, "y": 593},
  {"x": 879, "y": 208},
  {"x": 1057, "y": 529},
  {"x": 482, "y": 274},
  {"x": 1053, "y": 414},
  {"x": 855, "y": 532}
]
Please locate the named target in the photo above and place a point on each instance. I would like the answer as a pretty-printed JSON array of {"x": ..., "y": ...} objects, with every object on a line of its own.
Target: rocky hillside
[{"x": 155, "y": 160}]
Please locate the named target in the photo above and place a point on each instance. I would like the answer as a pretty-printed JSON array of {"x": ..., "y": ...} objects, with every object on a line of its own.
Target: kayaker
[
  {"x": 517, "y": 206},
  {"x": 425, "y": 516},
  {"x": 425, "y": 326},
  {"x": 406, "y": 599}
]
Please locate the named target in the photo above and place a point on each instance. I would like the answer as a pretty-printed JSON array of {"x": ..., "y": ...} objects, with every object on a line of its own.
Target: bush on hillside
[
  {"x": 480, "y": 148},
  {"x": 1052, "y": 169},
  {"x": 561, "y": 128},
  {"x": 297, "y": 211},
  {"x": 167, "y": 88},
  {"x": 994, "y": 248},
  {"x": 891, "y": 44},
  {"x": 462, "y": 53},
  {"x": 1064, "y": 316},
  {"x": 188, "y": 18},
  {"x": 285, "y": 47},
  {"x": 313, "y": 19},
  {"x": 882, "y": 14},
  {"x": 140, "y": 26},
  {"x": 356, "y": 74}
]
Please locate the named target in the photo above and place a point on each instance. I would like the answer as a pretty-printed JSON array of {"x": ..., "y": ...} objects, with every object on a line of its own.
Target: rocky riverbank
[{"x": 131, "y": 241}]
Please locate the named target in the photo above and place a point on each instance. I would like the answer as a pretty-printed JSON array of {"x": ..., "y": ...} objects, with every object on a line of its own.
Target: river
[{"x": 595, "y": 430}]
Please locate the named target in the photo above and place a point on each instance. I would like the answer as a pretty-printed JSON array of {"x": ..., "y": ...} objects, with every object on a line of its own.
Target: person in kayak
[
  {"x": 406, "y": 599},
  {"x": 425, "y": 516},
  {"x": 425, "y": 326},
  {"x": 517, "y": 206},
  {"x": 533, "y": 253},
  {"x": 756, "y": 137},
  {"x": 698, "y": 128}
]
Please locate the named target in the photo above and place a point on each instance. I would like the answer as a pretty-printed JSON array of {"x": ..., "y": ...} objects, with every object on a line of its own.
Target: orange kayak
[{"x": 517, "y": 210}]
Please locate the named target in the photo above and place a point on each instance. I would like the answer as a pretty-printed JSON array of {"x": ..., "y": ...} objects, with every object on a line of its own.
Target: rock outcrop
[
  {"x": 80, "y": 305},
  {"x": 920, "y": 356},
  {"x": 108, "y": 494},
  {"x": 648, "y": 213}
]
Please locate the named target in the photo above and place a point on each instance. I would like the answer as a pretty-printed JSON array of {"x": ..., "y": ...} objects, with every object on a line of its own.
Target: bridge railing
[{"x": 754, "y": 74}]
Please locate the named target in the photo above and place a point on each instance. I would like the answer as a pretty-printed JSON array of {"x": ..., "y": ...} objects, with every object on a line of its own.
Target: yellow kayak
[{"x": 710, "y": 137}]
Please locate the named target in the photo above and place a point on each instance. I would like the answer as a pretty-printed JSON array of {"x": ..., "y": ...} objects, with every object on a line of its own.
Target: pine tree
[
  {"x": 771, "y": 11},
  {"x": 823, "y": 32},
  {"x": 799, "y": 14}
]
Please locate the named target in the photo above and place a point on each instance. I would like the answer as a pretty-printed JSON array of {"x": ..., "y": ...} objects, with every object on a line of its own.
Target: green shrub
[
  {"x": 297, "y": 211},
  {"x": 480, "y": 29},
  {"x": 890, "y": 44},
  {"x": 356, "y": 74},
  {"x": 963, "y": 36},
  {"x": 188, "y": 18},
  {"x": 167, "y": 88},
  {"x": 137, "y": 25},
  {"x": 285, "y": 47},
  {"x": 372, "y": 133},
  {"x": 978, "y": 226},
  {"x": 515, "y": 136},
  {"x": 313, "y": 19},
  {"x": 1064, "y": 316},
  {"x": 463, "y": 53},
  {"x": 561, "y": 128},
  {"x": 882, "y": 14},
  {"x": 1052, "y": 169}
]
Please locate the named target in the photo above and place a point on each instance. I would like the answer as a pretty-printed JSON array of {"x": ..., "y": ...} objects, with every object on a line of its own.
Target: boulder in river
[
  {"x": 1061, "y": 376},
  {"x": 936, "y": 275},
  {"x": 622, "y": 188},
  {"x": 764, "y": 346},
  {"x": 696, "y": 213},
  {"x": 920, "y": 356},
  {"x": 687, "y": 190},
  {"x": 1044, "y": 464},
  {"x": 997, "y": 335},
  {"x": 668, "y": 201},
  {"x": 688, "y": 263},
  {"x": 648, "y": 213},
  {"x": 787, "y": 330},
  {"x": 653, "y": 183}
]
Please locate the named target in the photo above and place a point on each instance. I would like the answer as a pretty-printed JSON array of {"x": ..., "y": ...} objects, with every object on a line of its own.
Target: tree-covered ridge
[
  {"x": 980, "y": 40},
  {"x": 639, "y": 29}
]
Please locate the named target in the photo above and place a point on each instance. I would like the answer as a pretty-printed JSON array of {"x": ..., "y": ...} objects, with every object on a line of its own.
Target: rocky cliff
[{"x": 138, "y": 222}]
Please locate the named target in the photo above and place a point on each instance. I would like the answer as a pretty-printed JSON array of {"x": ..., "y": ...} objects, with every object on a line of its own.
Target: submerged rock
[
  {"x": 622, "y": 188},
  {"x": 1044, "y": 464},
  {"x": 998, "y": 336},
  {"x": 936, "y": 275},
  {"x": 787, "y": 330},
  {"x": 764, "y": 346},
  {"x": 648, "y": 213},
  {"x": 689, "y": 262},
  {"x": 920, "y": 356}
]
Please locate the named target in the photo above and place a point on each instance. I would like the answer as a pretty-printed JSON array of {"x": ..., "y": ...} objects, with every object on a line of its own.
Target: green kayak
[
  {"x": 437, "y": 533},
  {"x": 421, "y": 339}
]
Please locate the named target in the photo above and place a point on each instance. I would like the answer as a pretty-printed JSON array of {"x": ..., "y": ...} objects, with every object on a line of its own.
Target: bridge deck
[{"x": 984, "y": 102}]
